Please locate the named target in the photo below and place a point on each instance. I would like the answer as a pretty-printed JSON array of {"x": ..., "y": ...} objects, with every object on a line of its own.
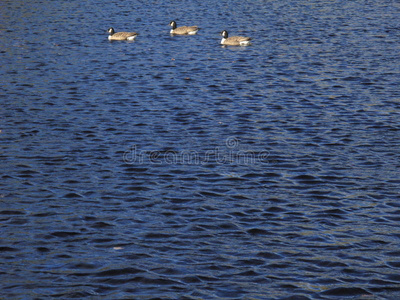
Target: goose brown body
[
  {"x": 183, "y": 30},
  {"x": 120, "y": 36},
  {"x": 234, "y": 40}
]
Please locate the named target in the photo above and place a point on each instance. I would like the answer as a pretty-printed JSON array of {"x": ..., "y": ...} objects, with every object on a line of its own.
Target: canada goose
[
  {"x": 121, "y": 36},
  {"x": 183, "y": 29},
  {"x": 234, "y": 40}
]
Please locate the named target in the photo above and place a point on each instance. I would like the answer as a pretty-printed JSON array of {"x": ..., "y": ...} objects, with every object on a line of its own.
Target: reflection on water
[{"x": 172, "y": 167}]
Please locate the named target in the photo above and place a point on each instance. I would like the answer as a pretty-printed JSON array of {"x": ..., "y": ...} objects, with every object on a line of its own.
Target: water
[{"x": 174, "y": 168}]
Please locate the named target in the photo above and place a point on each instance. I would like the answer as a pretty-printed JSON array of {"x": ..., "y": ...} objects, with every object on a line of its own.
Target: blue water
[{"x": 175, "y": 168}]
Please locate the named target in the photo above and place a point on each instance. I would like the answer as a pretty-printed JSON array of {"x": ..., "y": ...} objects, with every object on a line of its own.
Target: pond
[{"x": 171, "y": 167}]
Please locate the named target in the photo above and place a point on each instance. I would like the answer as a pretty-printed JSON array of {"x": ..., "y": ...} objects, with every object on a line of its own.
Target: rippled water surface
[{"x": 174, "y": 168}]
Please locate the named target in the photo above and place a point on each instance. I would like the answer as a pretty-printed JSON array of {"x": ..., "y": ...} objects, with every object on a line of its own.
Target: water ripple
[{"x": 172, "y": 167}]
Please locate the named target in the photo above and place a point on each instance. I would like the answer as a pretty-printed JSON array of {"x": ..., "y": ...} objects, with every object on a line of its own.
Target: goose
[
  {"x": 234, "y": 40},
  {"x": 183, "y": 29},
  {"x": 121, "y": 36}
]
